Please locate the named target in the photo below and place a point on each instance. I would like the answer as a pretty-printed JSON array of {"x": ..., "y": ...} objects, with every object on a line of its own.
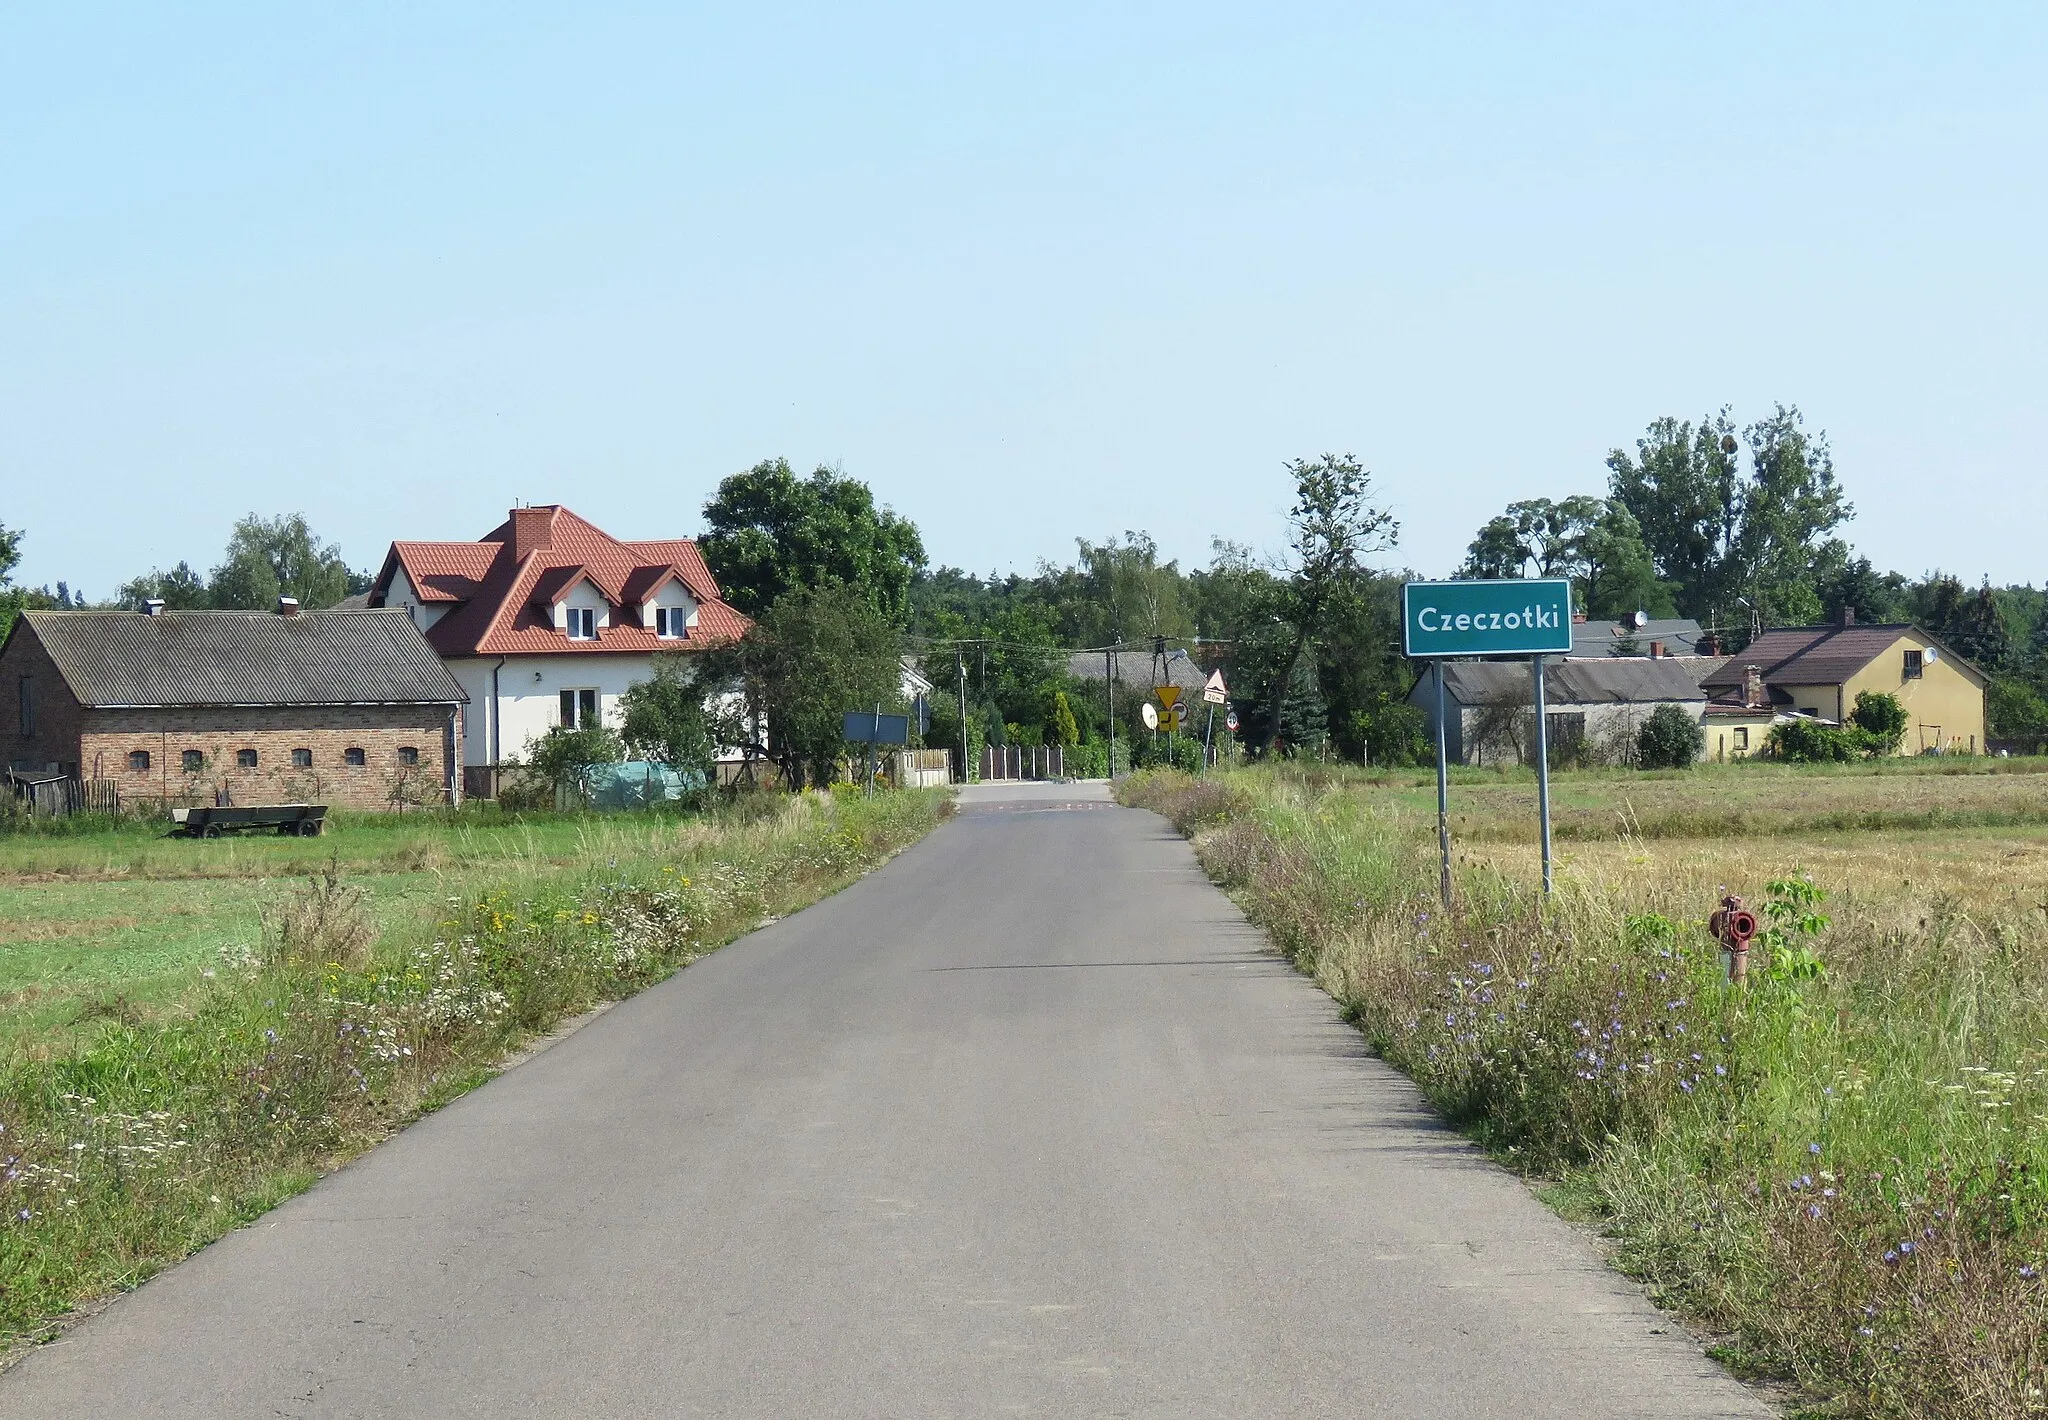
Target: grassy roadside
[
  {"x": 1840, "y": 1168},
  {"x": 124, "y": 1149}
]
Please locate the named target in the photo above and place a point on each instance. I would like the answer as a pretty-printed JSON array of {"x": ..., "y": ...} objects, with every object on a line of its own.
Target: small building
[
  {"x": 547, "y": 619},
  {"x": 1818, "y": 671},
  {"x": 337, "y": 707},
  {"x": 1638, "y": 635},
  {"x": 1594, "y": 708}
]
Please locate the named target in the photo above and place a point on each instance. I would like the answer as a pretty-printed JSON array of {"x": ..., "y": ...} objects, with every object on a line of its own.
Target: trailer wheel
[
  {"x": 211, "y": 830},
  {"x": 309, "y": 828}
]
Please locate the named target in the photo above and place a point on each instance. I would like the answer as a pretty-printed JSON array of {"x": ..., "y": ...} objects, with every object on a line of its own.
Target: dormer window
[
  {"x": 582, "y": 623},
  {"x": 671, "y": 622}
]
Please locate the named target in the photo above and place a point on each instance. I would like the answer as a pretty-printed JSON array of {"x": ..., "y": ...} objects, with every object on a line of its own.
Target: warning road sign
[{"x": 1212, "y": 688}]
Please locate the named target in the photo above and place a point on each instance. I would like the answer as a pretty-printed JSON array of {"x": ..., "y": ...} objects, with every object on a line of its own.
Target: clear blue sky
[{"x": 1059, "y": 271}]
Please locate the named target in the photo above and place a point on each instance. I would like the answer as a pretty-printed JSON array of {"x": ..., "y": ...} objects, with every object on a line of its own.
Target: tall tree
[
  {"x": 1127, "y": 593},
  {"x": 180, "y": 589},
  {"x": 771, "y": 532},
  {"x": 1331, "y": 528},
  {"x": 1594, "y": 541},
  {"x": 1726, "y": 538},
  {"x": 268, "y": 558},
  {"x": 816, "y": 653}
]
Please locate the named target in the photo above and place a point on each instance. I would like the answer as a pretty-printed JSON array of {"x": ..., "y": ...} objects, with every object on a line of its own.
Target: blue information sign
[
  {"x": 866, "y": 727},
  {"x": 1520, "y": 617}
]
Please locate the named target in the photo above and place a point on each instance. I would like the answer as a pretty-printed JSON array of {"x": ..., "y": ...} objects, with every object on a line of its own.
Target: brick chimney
[
  {"x": 533, "y": 530},
  {"x": 1753, "y": 686},
  {"x": 1846, "y": 617}
]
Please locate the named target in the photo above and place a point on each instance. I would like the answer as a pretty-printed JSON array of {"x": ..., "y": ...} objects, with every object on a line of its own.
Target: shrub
[
  {"x": 1810, "y": 742},
  {"x": 1880, "y": 716},
  {"x": 1669, "y": 739}
]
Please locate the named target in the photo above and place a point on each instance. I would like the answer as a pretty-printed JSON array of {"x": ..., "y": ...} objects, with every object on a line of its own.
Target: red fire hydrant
[{"x": 1734, "y": 926}]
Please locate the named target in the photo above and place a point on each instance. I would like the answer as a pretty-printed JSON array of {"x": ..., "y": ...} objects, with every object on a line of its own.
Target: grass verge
[
  {"x": 1840, "y": 1168},
  {"x": 123, "y": 1152}
]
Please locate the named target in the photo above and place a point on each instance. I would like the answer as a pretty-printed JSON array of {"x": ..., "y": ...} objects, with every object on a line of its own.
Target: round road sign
[{"x": 1230, "y": 721}]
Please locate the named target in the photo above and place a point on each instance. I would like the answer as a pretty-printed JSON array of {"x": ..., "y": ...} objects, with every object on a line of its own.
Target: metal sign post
[{"x": 1508, "y": 617}]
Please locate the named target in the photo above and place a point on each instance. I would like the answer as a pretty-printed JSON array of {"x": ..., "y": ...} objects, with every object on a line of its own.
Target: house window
[
  {"x": 1914, "y": 665},
  {"x": 138, "y": 760},
  {"x": 28, "y": 705},
  {"x": 302, "y": 759},
  {"x": 582, "y": 623},
  {"x": 408, "y": 755},
  {"x": 245, "y": 758},
  {"x": 353, "y": 757},
  {"x": 579, "y": 709},
  {"x": 192, "y": 761},
  {"x": 1741, "y": 737},
  {"x": 671, "y": 622}
]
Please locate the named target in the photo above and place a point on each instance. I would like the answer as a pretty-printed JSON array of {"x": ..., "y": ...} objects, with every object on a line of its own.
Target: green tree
[
  {"x": 1126, "y": 593},
  {"x": 1669, "y": 739},
  {"x": 10, "y": 595},
  {"x": 1724, "y": 537},
  {"x": 813, "y": 655},
  {"x": 559, "y": 759},
  {"x": 771, "y": 533},
  {"x": 2018, "y": 712},
  {"x": 664, "y": 718},
  {"x": 1331, "y": 529},
  {"x": 1061, "y": 727},
  {"x": 268, "y": 558},
  {"x": 180, "y": 589},
  {"x": 1881, "y": 717},
  {"x": 1972, "y": 622},
  {"x": 1594, "y": 541}
]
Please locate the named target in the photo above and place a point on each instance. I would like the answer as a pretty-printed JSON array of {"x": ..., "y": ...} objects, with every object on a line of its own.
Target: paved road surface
[{"x": 1024, "y": 1124}]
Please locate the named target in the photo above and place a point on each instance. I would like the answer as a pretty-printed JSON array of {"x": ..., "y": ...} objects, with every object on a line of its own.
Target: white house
[{"x": 547, "y": 619}]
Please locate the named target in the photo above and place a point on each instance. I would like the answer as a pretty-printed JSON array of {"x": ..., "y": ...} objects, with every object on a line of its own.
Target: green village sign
[
  {"x": 1498, "y": 618},
  {"x": 1506, "y": 617}
]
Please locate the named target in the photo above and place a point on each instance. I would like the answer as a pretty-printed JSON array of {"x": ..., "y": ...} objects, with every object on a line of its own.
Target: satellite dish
[
  {"x": 1149, "y": 715},
  {"x": 1640, "y": 620}
]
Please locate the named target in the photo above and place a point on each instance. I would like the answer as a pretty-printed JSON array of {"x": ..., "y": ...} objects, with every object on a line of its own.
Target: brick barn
[{"x": 346, "y": 708}]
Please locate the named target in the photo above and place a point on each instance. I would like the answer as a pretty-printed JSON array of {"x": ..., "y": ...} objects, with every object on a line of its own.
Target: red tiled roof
[{"x": 497, "y": 590}]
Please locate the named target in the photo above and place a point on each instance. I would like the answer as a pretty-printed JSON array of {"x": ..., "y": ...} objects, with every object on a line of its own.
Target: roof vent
[
  {"x": 154, "y": 606},
  {"x": 287, "y": 606}
]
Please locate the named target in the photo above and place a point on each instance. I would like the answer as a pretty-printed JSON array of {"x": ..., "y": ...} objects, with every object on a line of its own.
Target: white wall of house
[
  {"x": 404, "y": 596},
  {"x": 1608, "y": 727},
  {"x": 530, "y": 697}
]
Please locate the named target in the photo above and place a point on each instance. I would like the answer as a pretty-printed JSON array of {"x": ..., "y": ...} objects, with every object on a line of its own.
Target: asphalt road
[{"x": 1024, "y": 1124}]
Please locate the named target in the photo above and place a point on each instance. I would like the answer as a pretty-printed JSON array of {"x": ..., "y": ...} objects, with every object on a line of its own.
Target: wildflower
[
  {"x": 1813, "y": 1210},
  {"x": 1905, "y": 1248},
  {"x": 24, "y": 1215},
  {"x": 1864, "y": 1331},
  {"x": 1890, "y": 1256},
  {"x": 1813, "y": 1148},
  {"x": 2028, "y": 1270}
]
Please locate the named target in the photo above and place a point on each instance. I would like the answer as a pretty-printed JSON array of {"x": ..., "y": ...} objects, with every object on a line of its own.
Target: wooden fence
[
  {"x": 921, "y": 768},
  {"x": 55, "y": 798},
  {"x": 1023, "y": 762}
]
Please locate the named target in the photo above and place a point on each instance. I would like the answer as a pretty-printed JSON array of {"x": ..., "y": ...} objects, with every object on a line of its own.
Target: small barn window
[
  {"x": 192, "y": 761},
  {"x": 408, "y": 754},
  {"x": 1742, "y": 737},
  {"x": 1914, "y": 665},
  {"x": 302, "y": 759},
  {"x": 245, "y": 758},
  {"x": 138, "y": 760},
  {"x": 353, "y": 757}
]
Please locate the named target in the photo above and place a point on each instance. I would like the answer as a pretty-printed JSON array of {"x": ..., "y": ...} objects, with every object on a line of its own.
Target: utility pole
[
  {"x": 1108, "y": 689},
  {"x": 960, "y": 665}
]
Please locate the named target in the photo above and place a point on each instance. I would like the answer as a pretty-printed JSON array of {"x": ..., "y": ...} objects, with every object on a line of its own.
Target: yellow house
[{"x": 1818, "y": 671}]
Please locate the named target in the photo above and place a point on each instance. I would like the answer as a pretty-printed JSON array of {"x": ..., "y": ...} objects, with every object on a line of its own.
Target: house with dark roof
[
  {"x": 1818, "y": 671},
  {"x": 547, "y": 619},
  {"x": 1594, "y": 708},
  {"x": 291, "y": 706}
]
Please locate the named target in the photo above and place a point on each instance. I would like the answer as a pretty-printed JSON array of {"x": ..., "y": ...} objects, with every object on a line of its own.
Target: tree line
[{"x": 1736, "y": 526}]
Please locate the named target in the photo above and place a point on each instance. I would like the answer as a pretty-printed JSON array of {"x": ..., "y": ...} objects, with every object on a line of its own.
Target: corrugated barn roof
[
  {"x": 1621, "y": 680},
  {"x": 120, "y": 658}
]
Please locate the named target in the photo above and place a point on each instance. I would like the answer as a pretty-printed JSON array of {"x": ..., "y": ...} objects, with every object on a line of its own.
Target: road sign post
[{"x": 1509, "y": 617}]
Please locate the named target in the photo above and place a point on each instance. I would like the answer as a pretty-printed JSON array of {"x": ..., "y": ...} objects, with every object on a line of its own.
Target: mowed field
[{"x": 123, "y": 923}]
